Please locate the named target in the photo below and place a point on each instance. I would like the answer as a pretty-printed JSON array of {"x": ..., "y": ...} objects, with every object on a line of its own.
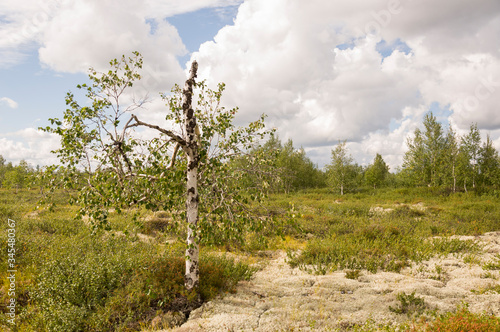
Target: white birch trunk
[
  {"x": 474, "y": 175},
  {"x": 192, "y": 276},
  {"x": 454, "y": 179}
]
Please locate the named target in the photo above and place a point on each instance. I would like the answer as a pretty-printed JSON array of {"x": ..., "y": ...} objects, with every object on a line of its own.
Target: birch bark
[{"x": 192, "y": 275}]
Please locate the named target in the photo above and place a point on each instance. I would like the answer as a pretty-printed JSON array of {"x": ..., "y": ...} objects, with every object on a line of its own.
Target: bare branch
[
  {"x": 123, "y": 154},
  {"x": 174, "y": 155},
  {"x": 150, "y": 177},
  {"x": 122, "y": 136},
  {"x": 169, "y": 133}
]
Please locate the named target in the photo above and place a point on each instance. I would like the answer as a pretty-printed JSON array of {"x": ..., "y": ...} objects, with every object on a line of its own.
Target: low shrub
[
  {"x": 352, "y": 274},
  {"x": 445, "y": 246},
  {"x": 493, "y": 265},
  {"x": 375, "y": 247},
  {"x": 106, "y": 283},
  {"x": 460, "y": 321},
  {"x": 76, "y": 278},
  {"x": 409, "y": 305}
]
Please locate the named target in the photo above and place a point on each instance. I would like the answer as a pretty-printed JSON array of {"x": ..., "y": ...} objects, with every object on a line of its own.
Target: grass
[
  {"x": 348, "y": 233},
  {"x": 409, "y": 305},
  {"x": 493, "y": 265},
  {"x": 70, "y": 280}
]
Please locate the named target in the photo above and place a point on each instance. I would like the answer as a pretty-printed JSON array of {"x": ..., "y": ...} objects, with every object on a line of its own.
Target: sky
[{"x": 322, "y": 71}]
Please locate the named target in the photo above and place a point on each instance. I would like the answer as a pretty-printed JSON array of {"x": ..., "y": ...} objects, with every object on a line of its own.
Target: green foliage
[
  {"x": 424, "y": 162},
  {"x": 435, "y": 159},
  {"x": 17, "y": 177},
  {"x": 351, "y": 234},
  {"x": 450, "y": 160},
  {"x": 89, "y": 283},
  {"x": 435, "y": 145},
  {"x": 352, "y": 274},
  {"x": 287, "y": 169},
  {"x": 409, "y": 305},
  {"x": 342, "y": 173},
  {"x": 297, "y": 170},
  {"x": 221, "y": 273},
  {"x": 371, "y": 248},
  {"x": 376, "y": 174},
  {"x": 471, "y": 146},
  {"x": 489, "y": 164},
  {"x": 414, "y": 169},
  {"x": 445, "y": 246},
  {"x": 494, "y": 264},
  {"x": 129, "y": 172},
  {"x": 69, "y": 288}
]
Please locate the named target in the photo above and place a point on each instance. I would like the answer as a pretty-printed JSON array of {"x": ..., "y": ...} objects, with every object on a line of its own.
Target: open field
[{"x": 392, "y": 259}]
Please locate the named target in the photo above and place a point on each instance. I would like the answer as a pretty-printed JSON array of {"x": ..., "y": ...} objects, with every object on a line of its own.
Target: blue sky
[
  {"x": 200, "y": 26},
  {"x": 321, "y": 71},
  {"x": 40, "y": 91}
]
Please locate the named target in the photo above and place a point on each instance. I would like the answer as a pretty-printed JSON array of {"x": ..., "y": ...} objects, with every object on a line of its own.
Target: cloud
[
  {"x": 31, "y": 145},
  {"x": 161, "y": 9},
  {"x": 9, "y": 102},
  {"x": 316, "y": 70},
  {"x": 322, "y": 70},
  {"x": 75, "y": 34}
]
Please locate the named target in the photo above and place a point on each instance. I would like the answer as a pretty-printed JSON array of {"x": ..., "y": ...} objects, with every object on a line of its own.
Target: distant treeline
[
  {"x": 435, "y": 158},
  {"x": 15, "y": 176}
]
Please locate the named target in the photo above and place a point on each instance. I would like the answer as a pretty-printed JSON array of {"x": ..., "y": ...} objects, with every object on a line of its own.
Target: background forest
[{"x": 435, "y": 158}]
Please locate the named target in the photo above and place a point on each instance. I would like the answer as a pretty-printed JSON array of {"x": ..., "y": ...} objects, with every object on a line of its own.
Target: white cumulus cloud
[
  {"x": 316, "y": 69},
  {"x": 31, "y": 145},
  {"x": 323, "y": 71},
  {"x": 9, "y": 102}
]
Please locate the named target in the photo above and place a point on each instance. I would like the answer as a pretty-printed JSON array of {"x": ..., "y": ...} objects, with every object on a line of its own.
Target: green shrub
[
  {"x": 404, "y": 211},
  {"x": 105, "y": 283},
  {"x": 493, "y": 265},
  {"x": 372, "y": 247},
  {"x": 409, "y": 305},
  {"x": 375, "y": 247},
  {"x": 445, "y": 246},
  {"x": 221, "y": 273},
  {"x": 352, "y": 274},
  {"x": 77, "y": 278}
]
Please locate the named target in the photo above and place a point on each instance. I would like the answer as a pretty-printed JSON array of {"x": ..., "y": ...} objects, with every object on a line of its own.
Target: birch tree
[
  {"x": 377, "y": 172},
  {"x": 471, "y": 147},
  {"x": 342, "y": 170},
  {"x": 434, "y": 142},
  {"x": 451, "y": 156},
  {"x": 415, "y": 163},
  {"x": 184, "y": 168},
  {"x": 489, "y": 164}
]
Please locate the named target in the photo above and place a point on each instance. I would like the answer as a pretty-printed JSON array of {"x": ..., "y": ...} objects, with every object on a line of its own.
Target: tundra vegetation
[{"x": 121, "y": 265}]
